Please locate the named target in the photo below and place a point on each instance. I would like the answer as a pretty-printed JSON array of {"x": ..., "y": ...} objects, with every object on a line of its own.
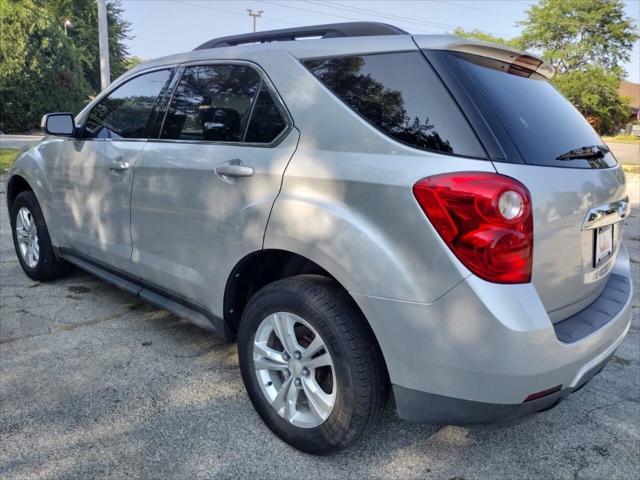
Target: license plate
[{"x": 604, "y": 244}]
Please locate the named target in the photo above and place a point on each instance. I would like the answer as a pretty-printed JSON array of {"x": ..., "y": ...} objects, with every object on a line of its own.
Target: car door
[
  {"x": 93, "y": 174},
  {"x": 203, "y": 190}
]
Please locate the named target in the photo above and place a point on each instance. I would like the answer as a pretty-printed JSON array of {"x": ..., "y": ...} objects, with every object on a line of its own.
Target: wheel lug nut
[
  {"x": 297, "y": 355},
  {"x": 305, "y": 371},
  {"x": 297, "y": 382},
  {"x": 286, "y": 356}
]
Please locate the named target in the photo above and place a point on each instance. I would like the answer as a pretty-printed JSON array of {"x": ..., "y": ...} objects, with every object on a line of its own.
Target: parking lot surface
[
  {"x": 626, "y": 153},
  {"x": 95, "y": 384}
]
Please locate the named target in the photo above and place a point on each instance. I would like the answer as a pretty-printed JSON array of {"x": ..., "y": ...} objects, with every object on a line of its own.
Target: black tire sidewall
[
  {"x": 339, "y": 429},
  {"x": 46, "y": 256}
]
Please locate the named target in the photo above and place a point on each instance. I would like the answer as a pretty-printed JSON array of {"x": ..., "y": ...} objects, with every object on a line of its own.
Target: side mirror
[{"x": 60, "y": 124}]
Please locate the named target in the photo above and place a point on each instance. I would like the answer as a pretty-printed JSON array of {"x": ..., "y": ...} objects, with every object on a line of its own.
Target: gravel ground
[{"x": 94, "y": 384}]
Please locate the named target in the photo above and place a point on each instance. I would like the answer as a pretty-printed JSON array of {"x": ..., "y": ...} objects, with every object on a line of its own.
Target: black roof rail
[{"x": 331, "y": 30}]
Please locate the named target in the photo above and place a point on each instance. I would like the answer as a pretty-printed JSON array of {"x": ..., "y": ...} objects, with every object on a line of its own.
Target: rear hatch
[{"x": 536, "y": 136}]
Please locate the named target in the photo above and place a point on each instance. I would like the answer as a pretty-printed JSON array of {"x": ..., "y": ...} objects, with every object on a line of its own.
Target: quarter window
[
  {"x": 125, "y": 112},
  {"x": 400, "y": 94},
  {"x": 213, "y": 103},
  {"x": 266, "y": 120}
]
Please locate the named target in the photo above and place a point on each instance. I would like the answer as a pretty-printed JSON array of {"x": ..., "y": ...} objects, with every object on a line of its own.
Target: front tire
[
  {"x": 310, "y": 364},
  {"x": 32, "y": 242}
]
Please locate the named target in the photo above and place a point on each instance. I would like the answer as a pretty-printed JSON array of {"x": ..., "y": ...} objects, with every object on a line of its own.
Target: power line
[
  {"x": 232, "y": 12},
  {"x": 308, "y": 10},
  {"x": 344, "y": 8},
  {"x": 326, "y": 13},
  {"x": 377, "y": 13},
  {"x": 386, "y": 15},
  {"x": 471, "y": 7}
]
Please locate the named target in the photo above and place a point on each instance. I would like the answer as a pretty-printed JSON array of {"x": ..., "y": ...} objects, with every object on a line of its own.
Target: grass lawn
[
  {"x": 622, "y": 139},
  {"x": 7, "y": 156}
]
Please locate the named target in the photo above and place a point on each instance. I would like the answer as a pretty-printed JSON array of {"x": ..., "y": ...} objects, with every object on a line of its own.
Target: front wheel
[
  {"x": 310, "y": 364},
  {"x": 31, "y": 240}
]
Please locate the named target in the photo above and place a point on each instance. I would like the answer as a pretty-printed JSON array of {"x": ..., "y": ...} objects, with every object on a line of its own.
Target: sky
[{"x": 164, "y": 27}]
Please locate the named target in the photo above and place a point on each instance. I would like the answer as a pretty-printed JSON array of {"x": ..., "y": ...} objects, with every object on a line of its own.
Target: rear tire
[
  {"x": 352, "y": 377},
  {"x": 32, "y": 242}
]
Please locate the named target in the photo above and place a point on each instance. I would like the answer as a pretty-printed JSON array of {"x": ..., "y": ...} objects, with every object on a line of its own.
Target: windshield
[{"x": 542, "y": 124}]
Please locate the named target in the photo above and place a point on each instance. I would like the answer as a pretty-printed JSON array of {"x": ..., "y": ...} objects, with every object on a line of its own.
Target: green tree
[
  {"x": 586, "y": 41},
  {"x": 83, "y": 15},
  {"x": 39, "y": 68},
  {"x": 486, "y": 37},
  {"x": 594, "y": 92},
  {"x": 577, "y": 34},
  {"x": 131, "y": 62}
]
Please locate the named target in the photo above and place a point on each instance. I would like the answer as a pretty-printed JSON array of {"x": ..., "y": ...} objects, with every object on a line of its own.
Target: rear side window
[
  {"x": 212, "y": 102},
  {"x": 124, "y": 113},
  {"x": 400, "y": 94}
]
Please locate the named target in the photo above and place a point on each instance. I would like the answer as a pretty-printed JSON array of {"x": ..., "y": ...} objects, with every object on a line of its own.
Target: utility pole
[
  {"x": 255, "y": 15},
  {"x": 103, "y": 39}
]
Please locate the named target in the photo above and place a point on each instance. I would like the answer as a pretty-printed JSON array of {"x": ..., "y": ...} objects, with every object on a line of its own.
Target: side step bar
[{"x": 179, "y": 306}]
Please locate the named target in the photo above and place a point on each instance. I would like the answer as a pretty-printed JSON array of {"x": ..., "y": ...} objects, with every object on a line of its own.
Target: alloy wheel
[
  {"x": 294, "y": 369},
  {"x": 27, "y": 236}
]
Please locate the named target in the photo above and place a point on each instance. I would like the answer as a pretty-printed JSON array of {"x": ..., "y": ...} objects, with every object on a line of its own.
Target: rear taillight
[{"x": 485, "y": 219}]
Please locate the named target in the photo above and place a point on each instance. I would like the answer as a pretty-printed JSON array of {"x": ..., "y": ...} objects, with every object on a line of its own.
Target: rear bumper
[
  {"x": 475, "y": 354},
  {"x": 417, "y": 406}
]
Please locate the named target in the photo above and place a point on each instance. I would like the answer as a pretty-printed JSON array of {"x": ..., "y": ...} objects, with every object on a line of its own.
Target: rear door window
[
  {"x": 212, "y": 103},
  {"x": 125, "y": 112},
  {"x": 400, "y": 94}
]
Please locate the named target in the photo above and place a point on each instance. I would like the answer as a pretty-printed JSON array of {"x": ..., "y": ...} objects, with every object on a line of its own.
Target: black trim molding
[{"x": 177, "y": 304}]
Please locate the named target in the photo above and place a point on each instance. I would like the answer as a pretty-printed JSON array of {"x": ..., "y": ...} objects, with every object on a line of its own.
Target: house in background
[{"x": 632, "y": 91}]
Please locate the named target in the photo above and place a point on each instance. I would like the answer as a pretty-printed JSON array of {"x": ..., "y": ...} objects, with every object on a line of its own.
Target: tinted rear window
[
  {"x": 540, "y": 121},
  {"x": 400, "y": 94}
]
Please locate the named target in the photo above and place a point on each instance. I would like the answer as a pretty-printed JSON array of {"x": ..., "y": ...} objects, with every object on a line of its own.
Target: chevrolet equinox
[{"x": 365, "y": 211}]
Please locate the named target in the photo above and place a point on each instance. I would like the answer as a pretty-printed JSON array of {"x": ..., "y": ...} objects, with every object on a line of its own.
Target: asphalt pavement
[
  {"x": 626, "y": 153},
  {"x": 18, "y": 141},
  {"x": 95, "y": 384}
]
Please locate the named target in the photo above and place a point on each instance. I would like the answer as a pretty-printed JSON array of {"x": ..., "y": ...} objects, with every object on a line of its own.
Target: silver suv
[{"x": 365, "y": 211}]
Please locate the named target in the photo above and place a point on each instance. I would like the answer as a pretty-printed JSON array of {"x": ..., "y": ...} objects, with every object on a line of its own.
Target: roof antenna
[{"x": 255, "y": 15}]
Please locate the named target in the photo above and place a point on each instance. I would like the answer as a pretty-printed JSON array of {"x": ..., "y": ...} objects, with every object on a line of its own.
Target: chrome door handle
[
  {"x": 118, "y": 165},
  {"x": 233, "y": 169}
]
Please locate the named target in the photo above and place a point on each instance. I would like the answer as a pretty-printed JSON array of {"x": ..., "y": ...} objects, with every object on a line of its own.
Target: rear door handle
[
  {"x": 233, "y": 169},
  {"x": 118, "y": 165}
]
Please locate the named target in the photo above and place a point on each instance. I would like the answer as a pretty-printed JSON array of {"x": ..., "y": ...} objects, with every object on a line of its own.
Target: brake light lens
[{"x": 486, "y": 219}]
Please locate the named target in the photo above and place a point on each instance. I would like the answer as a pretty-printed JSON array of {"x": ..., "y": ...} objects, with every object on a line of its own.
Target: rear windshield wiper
[{"x": 593, "y": 151}]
